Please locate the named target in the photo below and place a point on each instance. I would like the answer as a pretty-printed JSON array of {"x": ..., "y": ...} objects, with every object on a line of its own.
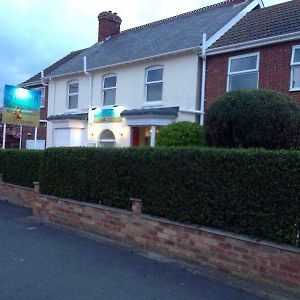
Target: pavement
[{"x": 41, "y": 261}]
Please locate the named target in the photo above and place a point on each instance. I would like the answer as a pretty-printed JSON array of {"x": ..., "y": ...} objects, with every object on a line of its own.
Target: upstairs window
[
  {"x": 154, "y": 84},
  {"x": 42, "y": 90},
  {"x": 109, "y": 90},
  {"x": 73, "y": 89},
  {"x": 295, "y": 68},
  {"x": 243, "y": 72}
]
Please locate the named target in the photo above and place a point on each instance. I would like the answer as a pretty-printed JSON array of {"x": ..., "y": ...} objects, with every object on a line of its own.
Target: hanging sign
[
  {"x": 21, "y": 106},
  {"x": 110, "y": 115}
]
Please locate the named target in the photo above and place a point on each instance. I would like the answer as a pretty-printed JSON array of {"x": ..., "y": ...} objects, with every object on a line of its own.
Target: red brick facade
[
  {"x": 274, "y": 70},
  {"x": 228, "y": 252}
]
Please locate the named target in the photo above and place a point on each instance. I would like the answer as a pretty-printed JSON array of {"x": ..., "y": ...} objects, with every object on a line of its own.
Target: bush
[
  {"x": 20, "y": 167},
  {"x": 254, "y": 192},
  {"x": 181, "y": 134},
  {"x": 253, "y": 118}
]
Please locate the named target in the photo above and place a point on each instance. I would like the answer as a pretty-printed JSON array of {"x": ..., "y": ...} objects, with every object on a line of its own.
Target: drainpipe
[
  {"x": 90, "y": 82},
  {"x": 42, "y": 79},
  {"x": 203, "y": 80}
]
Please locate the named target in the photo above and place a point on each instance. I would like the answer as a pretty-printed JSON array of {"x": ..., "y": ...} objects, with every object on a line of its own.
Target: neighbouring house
[
  {"x": 124, "y": 88},
  {"x": 37, "y": 82},
  {"x": 261, "y": 51},
  {"x": 12, "y": 135}
]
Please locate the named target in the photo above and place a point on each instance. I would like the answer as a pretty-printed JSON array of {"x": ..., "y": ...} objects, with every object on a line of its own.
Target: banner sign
[
  {"x": 112, "y": 115},
  {"x": 21, "y": 106}
]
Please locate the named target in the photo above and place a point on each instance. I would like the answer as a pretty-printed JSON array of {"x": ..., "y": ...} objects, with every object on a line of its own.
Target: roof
[
  {"x": 174, "y": 34},
  {"x": 37, "y": 77},
  {"x": 83, "y": 116},
  {"x": 165, "y": 111},
  {"x": 263, "y": 23}
]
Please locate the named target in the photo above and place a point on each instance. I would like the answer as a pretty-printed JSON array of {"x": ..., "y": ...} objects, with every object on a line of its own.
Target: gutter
[
  {"x": 192, "y": 49},
  {"x": 255, "y": 43}
]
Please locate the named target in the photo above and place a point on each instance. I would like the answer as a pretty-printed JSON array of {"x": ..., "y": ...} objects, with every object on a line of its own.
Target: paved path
[{"x": 42, "y": 262}]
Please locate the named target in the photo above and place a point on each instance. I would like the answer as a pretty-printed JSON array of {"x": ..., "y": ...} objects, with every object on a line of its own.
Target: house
[
  {"x": 261, "y": 51},
  {"x": 124, "y": 88},
  {"x": 37, "y": 82}
]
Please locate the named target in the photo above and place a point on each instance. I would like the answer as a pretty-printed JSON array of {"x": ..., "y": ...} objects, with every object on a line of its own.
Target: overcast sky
[{"x": 36, "y": 33}]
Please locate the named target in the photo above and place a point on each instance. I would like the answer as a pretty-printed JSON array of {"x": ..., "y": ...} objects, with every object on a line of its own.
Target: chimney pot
[{"x": 109, "y": 25}]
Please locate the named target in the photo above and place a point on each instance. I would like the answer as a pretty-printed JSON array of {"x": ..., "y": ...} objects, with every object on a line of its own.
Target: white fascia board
[
  {"x": 255, "y": 43},
  {"x": 233, "y": 21},
  {"x": 187, "y": 50}
]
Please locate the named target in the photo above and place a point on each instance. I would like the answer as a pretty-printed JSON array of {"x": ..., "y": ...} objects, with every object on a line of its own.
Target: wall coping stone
[
  {"x": 224, "y": 233},
  {"x": 17, "y": 186},
  {"x": 92, "y": 205},
  {"x": 191, "y": 226}
]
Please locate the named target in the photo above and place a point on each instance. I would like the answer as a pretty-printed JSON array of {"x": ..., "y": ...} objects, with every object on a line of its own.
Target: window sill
[
  {"x": 153, "y": 104},
  {"x": 295, "y": 90},
  {"x": 72, "y": 111}
]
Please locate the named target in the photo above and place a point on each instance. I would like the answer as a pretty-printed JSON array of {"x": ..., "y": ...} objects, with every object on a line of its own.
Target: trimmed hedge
[
  {"x": 253, "y": 192},
  {"x": 20, "y": 167},
  {"x": 253, "y": 118},
  {"x": 181, "y": 134}
]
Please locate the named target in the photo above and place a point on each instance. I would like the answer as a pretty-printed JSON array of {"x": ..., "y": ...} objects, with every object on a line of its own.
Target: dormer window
[
  {"x": 73, "y": 90},
  {"x": 109, "y": 90},
  {"x": 154, "y": 84}
]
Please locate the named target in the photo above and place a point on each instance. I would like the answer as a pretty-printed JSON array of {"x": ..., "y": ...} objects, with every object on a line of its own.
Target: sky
[{"x": 36, "y": 33}]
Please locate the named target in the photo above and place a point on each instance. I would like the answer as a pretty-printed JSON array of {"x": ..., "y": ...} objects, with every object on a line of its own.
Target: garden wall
[{"x": 236, "y": 254}]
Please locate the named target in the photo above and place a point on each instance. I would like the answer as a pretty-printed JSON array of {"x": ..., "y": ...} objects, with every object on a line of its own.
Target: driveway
[{"x": 38, "y": 261}]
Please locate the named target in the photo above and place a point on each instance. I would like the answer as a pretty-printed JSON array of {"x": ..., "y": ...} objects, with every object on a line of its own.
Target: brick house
[
  {"x": 261, "y": 51},
  {"x": 36, "y": 82}
]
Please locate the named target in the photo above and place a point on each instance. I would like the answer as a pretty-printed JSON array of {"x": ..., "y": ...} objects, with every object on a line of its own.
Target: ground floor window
[
  {"x": 107, "y": 139},
  {"x": 141, "y": 136}
]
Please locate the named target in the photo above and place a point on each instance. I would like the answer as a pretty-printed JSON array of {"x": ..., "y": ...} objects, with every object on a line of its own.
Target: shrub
[
  {"x": 20, "y": 167},
  {"x": 181, "y": 134},
  {"x": 253, "y": 118},
  {"x": 254, "y": 192}
]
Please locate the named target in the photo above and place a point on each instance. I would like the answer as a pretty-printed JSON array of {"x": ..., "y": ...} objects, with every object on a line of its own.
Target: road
[{"x": 38, "y": 261}]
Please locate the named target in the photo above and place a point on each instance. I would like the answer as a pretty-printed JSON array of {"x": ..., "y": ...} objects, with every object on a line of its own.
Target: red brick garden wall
[
  {"x": 239, "y": 255},
  {"x": 274, "y": 70}
]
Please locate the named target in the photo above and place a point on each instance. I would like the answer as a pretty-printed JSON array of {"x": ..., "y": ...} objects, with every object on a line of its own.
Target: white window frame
[
  {"x": 297, "y": 89},
  {"x": 42, "y": 88},
  {"x": 109, "y": 88},
  {"x": 257, "y": 54},
  {"x": 107, "y": 140},
  {"x": 158, "y": 102},
  {"x": 72, "y": 94}
]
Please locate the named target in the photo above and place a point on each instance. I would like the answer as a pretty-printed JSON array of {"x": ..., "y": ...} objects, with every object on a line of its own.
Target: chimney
[{"x": 109, "y": 25}]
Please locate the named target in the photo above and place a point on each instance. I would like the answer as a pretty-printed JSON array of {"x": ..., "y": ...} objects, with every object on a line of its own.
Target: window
[
  {"x": 73, "y": 88},
  {"x": 107, "y": 139},
  {"x": 295, "y": 69},
  {"x": 42, "y": 89},
  {"x": 154, "y": 84},
  {"x": 243, "y": 72},
  {"x": 109, "y": 90}
]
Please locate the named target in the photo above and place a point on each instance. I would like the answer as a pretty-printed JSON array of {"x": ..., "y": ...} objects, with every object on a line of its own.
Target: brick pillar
[
  {"x": 36, "y": 187},
  {"x": 137, "y": 205}
]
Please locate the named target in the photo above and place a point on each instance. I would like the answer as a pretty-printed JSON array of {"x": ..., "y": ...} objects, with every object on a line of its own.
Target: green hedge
[
  {"x": 20, "y": 167},
  {"x": 253, "y": 192}
]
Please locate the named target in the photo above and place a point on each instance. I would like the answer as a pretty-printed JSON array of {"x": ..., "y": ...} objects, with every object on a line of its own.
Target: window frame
[
  {"x": 42, "y": 89},
  {"x": 72, "y": 94},
  {"x": 229, "y": 73},
  {"x": 296, "y": 89},
  {"x": 107, "y": 140},
  {"x": 109, "y": 88},
  {"x": 156, "y": 102}
]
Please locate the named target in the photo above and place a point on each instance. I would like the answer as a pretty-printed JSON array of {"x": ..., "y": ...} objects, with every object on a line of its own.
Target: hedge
[
  {"x": 253, "y": 192},
  {"x": 20, "y": 167}
]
